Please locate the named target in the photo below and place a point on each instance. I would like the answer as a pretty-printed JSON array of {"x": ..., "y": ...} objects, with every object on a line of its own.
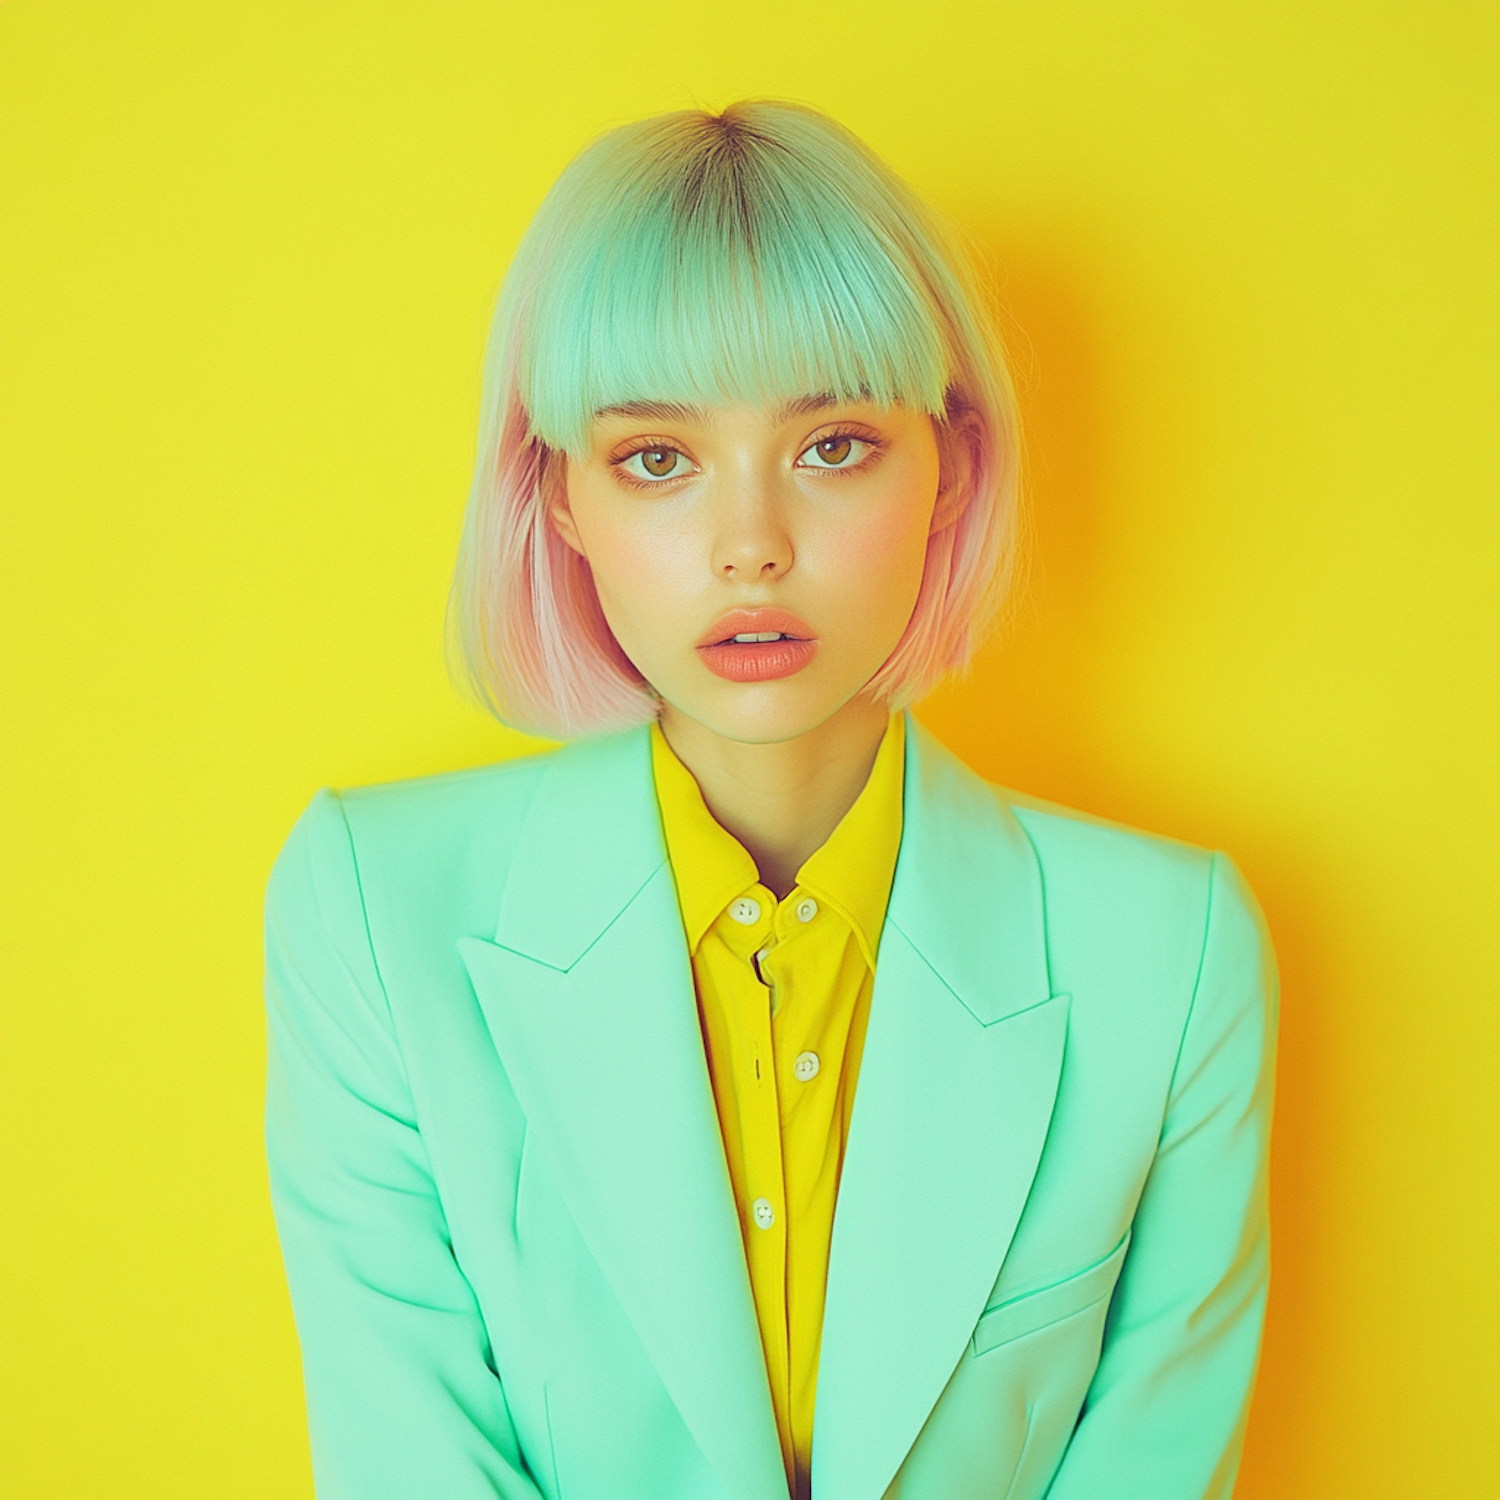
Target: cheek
[
  {"x": 880, "y": 559},
  {"x": 637, "y": 568},
  {"x": 883, "y": 541}
]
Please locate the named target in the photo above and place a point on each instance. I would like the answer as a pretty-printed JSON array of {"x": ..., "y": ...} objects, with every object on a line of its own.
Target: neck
[{"x": 781, "y": 801}]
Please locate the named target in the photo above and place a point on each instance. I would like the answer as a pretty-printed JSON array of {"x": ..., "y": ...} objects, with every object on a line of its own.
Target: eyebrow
[
  {"x": 662, "y": 411},
  {"x": 677, "y": 411}
]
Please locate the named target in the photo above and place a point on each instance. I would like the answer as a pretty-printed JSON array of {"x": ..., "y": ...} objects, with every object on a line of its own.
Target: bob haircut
[{"x": 755, "y": 255}]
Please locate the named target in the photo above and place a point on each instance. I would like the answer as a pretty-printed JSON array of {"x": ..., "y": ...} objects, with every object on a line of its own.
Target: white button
[
  {"x": 745, "y": 911},
  {"x": 765, "y": 1215},
  {"x": 805, "y": 1067},
  {"x": 807, "y": 909}
]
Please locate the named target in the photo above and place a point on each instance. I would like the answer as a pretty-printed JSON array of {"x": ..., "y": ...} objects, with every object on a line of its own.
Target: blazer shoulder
[
  {"x": 1060, "y": 837},
  {"x": 1069, "y": 833},
  {"x": 429, "y": 830},
  {"x": 1150, "y": 891},
  {"x": 1161, "y": 926},
  {"x": 456, "y": 797}
]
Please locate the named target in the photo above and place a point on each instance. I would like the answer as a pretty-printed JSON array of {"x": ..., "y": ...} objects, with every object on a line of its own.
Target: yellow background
[{"x": 1248, "y": 254}]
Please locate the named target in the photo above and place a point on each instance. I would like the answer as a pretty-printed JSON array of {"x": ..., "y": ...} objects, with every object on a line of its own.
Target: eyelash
[{"x": 834, "y": 435}]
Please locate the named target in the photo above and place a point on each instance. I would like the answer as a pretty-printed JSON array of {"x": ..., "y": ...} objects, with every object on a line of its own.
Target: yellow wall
[{"x": 248, "y": 253}]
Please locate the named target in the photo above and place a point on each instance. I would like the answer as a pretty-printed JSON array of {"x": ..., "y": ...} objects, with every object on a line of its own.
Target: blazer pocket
[{"x": 1018, "y": 1316}]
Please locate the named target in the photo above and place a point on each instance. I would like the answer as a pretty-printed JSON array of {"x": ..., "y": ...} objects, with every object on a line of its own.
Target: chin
[{"x": 762, "y": 713}]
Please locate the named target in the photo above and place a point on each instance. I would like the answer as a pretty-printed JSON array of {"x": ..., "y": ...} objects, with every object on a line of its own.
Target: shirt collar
[{"x": 851, "y": 872}]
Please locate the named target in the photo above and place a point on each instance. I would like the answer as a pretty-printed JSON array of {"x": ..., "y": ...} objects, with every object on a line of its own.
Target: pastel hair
[{"x": 755, "y": 255}]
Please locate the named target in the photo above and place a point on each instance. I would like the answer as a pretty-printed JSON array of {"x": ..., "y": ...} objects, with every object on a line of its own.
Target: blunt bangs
[
  {"x": 719, "y": 269},
  {"x": 756, "y": 255}
]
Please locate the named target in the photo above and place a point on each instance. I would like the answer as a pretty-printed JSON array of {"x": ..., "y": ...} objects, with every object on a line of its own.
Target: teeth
[{"x": 757, "y": 637}]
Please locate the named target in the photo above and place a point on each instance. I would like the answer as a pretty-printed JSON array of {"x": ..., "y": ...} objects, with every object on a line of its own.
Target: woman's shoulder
[
  {"x": 1104, "y": 876},
  {"x": 406, "y": 861},
  {"x": 1133, "y": 899},
  {"x": 410, "y": 829},
  {"x": 1061, "y": 838},
  {"x": 1069, "y": 833},
  {"x": 1142, "y": 924},
  {"x": 423, "y": 805}
]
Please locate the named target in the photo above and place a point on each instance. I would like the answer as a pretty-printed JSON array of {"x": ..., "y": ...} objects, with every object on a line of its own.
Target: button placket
[{"x": 757, "y": 962}]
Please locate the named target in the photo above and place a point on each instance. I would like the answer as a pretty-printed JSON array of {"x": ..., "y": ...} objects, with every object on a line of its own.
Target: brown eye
[
  {"x": 838, "y": 452},
  {"x": 649, "y": 466}
]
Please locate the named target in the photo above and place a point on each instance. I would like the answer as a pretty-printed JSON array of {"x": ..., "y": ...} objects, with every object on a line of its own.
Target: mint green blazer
[{"x": 514, "y": 1260}]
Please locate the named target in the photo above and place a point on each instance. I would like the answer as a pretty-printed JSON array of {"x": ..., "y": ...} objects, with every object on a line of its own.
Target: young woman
[{"x": 748, "y": 1100}]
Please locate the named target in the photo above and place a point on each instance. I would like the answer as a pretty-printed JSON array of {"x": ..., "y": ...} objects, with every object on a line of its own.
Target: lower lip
[{"x": 757, "y": 661}]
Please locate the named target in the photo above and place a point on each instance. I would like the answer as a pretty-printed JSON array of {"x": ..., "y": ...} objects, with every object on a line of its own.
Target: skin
[{"x": 816, "y": 507}]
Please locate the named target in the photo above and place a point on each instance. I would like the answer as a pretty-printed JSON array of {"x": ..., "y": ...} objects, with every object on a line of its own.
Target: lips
[{"x": 757, "y": 645}]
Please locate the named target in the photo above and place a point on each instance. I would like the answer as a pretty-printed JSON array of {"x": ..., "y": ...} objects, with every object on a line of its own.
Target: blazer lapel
[
  {"x": 955, "y": 1096},
  {"x": 588, "y": 995}
]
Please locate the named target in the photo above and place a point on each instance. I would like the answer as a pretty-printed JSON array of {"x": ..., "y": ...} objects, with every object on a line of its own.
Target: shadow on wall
[
  {"x": 1033, "y": 714},
  {"x": 1024, "y": 713}
]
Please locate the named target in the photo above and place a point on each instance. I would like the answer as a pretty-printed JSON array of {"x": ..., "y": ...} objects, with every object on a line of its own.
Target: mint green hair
[
  {"x": 748, "y": 278},
  {"x": 758, "y": 254}
]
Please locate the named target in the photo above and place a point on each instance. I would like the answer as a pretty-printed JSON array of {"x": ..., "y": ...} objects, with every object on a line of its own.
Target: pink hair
[{"x": 540, "y": 648}]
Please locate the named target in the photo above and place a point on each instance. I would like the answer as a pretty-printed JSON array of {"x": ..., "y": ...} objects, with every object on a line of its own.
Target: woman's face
[{"x": 757, "y": 565}]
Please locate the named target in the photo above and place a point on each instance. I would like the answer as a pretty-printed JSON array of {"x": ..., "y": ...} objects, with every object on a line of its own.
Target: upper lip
[{"x": 753, "y": 622}]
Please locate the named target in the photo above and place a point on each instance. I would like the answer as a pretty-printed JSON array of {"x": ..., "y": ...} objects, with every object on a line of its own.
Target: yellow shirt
[{"x": 783, "y": 999}]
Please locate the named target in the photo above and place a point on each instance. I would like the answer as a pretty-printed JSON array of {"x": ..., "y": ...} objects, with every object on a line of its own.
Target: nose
[{"x": 752, "y": 542}]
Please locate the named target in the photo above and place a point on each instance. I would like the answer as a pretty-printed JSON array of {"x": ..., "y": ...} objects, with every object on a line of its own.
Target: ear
[
  {"x": 552, "y": 487},
  {"x": 959, "y": 464},
  {"x": 958, "y": 438}
]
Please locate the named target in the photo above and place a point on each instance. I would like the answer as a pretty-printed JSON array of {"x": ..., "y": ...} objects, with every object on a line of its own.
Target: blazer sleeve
[
  {"x": 402, "y": 1394},
  {"x": 1164, "y": 1417}
]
